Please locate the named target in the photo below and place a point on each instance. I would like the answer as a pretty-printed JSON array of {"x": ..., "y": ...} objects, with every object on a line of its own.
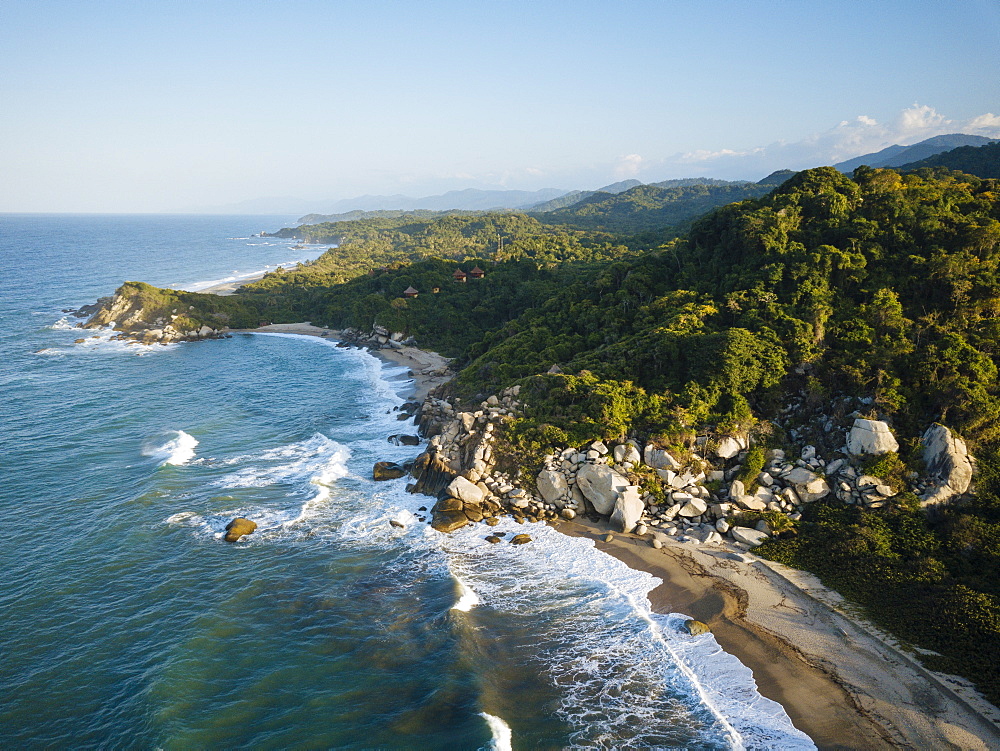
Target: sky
[{"x": 147, "y": 106}]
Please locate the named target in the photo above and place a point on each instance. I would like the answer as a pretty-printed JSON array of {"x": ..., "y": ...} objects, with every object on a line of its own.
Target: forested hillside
[
  {"x": 766, "y": 318},
  {"x": 981, "y": 161},
  {"x": 649, "y": 207}
]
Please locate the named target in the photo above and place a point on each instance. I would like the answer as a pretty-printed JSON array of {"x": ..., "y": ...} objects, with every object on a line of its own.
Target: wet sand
[{"x": 839, "y": 679}]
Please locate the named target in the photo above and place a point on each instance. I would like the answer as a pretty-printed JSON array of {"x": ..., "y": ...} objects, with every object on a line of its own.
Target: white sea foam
[
  {"x": 63, "y": 324},
  {"x": 308, "y": 468},
  {"x": 502, "y": 737},
  {"x": 175, "y": 447},
  {"x": 626, "y": 660},
  {"x": 468, "y": 598}
]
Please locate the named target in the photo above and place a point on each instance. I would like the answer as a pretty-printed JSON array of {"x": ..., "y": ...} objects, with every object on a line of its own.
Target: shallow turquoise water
[{"x": 127, "y": 622}]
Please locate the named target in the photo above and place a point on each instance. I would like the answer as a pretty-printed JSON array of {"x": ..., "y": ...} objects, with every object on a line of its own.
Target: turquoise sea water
[{"x": 126, "y": 622}]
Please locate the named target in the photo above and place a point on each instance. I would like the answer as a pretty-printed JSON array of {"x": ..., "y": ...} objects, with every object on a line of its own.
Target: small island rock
[{"x": 239, "y": 527}]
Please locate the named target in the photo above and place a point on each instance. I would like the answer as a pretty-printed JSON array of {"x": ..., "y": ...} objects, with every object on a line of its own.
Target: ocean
[{"x": 126, "y": 622}]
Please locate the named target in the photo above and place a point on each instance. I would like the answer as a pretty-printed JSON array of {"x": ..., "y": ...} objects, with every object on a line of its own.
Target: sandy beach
[{"x": 840, "y": 679}]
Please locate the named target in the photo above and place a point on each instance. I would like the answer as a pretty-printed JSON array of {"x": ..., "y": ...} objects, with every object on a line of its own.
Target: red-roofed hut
[
  {"x": 459, "y": 275},
  {"x": 477, "y": 273}
]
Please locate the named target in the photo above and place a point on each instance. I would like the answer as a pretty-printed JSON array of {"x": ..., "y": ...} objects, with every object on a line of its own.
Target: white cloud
[
  {"x": 847, "y": 139},
  {"x": 628, "y": 166},
  {"x": 989, "y": 122}
]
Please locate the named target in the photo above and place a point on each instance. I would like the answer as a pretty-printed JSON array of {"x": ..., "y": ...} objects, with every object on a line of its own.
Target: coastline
[
  {"x": 427, "y": 369},
  {"x": 836, "y": 676},
  {"x": 840, "y": 680}
]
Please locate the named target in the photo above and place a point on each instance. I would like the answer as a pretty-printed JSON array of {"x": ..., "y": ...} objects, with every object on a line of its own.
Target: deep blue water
[{"x": 126, "y": 622}]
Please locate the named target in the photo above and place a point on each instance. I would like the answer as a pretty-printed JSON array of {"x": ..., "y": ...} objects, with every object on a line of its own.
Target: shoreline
[
  {"x": 427, "y": 369},
  {"x": 840, "y": 679},
  {"x": 837, "y": 677}
]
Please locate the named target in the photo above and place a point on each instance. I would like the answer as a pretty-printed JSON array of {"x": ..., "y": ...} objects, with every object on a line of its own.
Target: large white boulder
[
  {"x": 552, "y": 485},
  {"x": 628, "y": 509},
  {"x": 748, "y": 536},
  {"x": 659, "y": 459},
  {"x": 627, "y": 452},
  {"x": 871, "y": 437},
  {"x": 465, "y": 490},
  {"x": 693, "y": 507},
  {"x": 600, "y": 485},
  {"x": 808, "y": 485},
  {"x": 728, "y": 447},
  {"x": 948, "y": 463}
]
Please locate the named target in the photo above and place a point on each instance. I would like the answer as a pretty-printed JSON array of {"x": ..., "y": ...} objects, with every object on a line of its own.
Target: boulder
[
  {"x": 870, "y": 437},
  {"x": 552, "y": 485},
  {"x": 751, "y": 503},
  {"x": 492, "y": 539},
  {"x": 751, "y": 537},
  {"x": 628, "y": 509},
  {"x": 659, "y": 459},
  {"x": 728, "y": 447},
  {"x": 449, "y": 521},
  {"x": 520, "y": 539},
  {"x": 694, "y": 507},
  {"x": 432, "y": 474},
  {"x": 626, "y": 452},
  {"x": 948, "y": 463},
  {"x": 466, "y": 490},
  {"x": 696, "y": 628},
  {"x": 600, "y": 485},
  {"x": 448, "y": 504},
  {"x": 568, "y": 514},
  {"x": 404, "y": 440},
  {"x": 808, "y": 485},
  {"x": 239, "y": 527},
  {"x": 387, "y": 471}
]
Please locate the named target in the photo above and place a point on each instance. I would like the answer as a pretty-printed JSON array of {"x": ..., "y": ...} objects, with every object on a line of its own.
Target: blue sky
[{"x": 165, "y": 106}]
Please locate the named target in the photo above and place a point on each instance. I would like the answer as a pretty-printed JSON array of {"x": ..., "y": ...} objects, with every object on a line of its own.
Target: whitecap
[
  {"x": 63, "y": 324},
  {"x": 468, "y": 599},
  {"x": 502, "y": 736},
  {"x": 174, "y": 448}
]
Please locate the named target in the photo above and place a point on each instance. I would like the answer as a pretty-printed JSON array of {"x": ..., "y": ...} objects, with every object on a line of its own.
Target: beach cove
[{"x": 843, "y": 681}]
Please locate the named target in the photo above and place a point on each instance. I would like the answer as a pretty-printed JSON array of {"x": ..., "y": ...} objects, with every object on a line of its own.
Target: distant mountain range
[
  {"x": 897, "y": 156},
  {"x": 554, "y": 199}
]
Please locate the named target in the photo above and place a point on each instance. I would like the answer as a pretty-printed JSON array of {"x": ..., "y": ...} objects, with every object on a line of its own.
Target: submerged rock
[
  {"x": 449, "y": 521},
  {"x": 520, "y": 539},
  {"x": 239, "y": 527},
  {"x": 387, "y": 471},
  {"x": 493, "y": 539}
]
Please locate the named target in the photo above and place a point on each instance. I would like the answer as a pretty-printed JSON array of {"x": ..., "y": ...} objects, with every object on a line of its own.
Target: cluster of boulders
[
  {"x": 459, "y": 465},
  {"x": 697, "y": 493},
  {"x": 377, "y": 338}
]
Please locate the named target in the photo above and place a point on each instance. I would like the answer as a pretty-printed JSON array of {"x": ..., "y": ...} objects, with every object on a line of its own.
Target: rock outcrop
[
  {"x": 600, "y": 485},
  {"x": 947, "y": 463},
  {"x": 146, "y": 314},
  {"x": 387, "y": 471},
  {"x": 871, "y": 437},
  {"x": 239, "y": 527}
]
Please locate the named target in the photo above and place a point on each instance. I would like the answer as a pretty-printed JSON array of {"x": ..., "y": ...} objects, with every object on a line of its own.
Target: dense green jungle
[{"x": 881, "y": 285}]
